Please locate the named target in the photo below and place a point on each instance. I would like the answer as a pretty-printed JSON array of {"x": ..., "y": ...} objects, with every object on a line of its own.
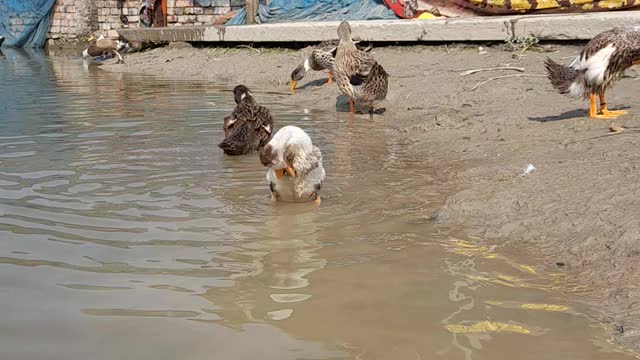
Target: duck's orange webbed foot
[
  {"x": 613, "y": 113},
  {"x": 317, "y": 201},
  {"x": 605, "y": 112},
  {"x": 593, "y": 109},
  {"x": 602, "y": 116}
]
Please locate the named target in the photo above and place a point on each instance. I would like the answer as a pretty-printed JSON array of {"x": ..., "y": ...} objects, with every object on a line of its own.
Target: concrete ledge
[{"x": 545, "y": 27}]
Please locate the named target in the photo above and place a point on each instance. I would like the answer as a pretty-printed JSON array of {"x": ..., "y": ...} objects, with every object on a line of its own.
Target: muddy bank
[{"x": 577, "y": 210}]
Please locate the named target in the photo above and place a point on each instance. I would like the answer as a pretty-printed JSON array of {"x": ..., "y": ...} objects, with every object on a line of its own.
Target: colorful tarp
[
  {"x": 317, "y": 10},
  {"x": 462, "y": 8},
  {"x": 25, "y": 23}
]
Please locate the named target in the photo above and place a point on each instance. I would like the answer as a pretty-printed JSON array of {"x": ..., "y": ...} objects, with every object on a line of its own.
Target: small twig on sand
[
  {"x": 250, "y": 48},
  {"x": 473, "y": 71},
  {"x": 501, "y": 77},
  {"x": 446, "y": 47}
]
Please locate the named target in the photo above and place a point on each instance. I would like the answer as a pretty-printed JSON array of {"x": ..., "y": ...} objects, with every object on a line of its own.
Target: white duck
[{"x": 295, "y": 166}]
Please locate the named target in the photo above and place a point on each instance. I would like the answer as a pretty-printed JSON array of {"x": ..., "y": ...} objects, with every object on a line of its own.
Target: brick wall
[
  {"x": 75, "y": 19},
  {"x": 72, "y": 19}
]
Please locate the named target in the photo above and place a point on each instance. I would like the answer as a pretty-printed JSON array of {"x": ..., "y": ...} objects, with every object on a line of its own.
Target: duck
[
  {"x": 102, "y": 46},
  {"x": 358, "y": 75},
  {"x": 249, "y": 126},
  {"x": 295, "y": 172},
  {"x": 321, "y": 57},
  {"x": 596, "y": 68}
]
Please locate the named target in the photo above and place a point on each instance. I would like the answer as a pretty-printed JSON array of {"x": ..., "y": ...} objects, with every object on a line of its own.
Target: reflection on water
[{"x": 125, "y": 233}]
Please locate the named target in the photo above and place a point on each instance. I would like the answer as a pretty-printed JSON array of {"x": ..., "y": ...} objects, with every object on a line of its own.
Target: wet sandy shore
[{"x": 577, "y": 211}]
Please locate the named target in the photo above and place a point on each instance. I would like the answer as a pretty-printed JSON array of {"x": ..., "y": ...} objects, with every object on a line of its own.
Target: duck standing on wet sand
[
  {"x": 358, "y": 74},
  {"x": 249, "y": 126},
  {"x": 600, "y": 63},
  {"x": 102, "y": 46},
  {"x": 295, "y": 166},
  {"x": 320, "y": 58}
]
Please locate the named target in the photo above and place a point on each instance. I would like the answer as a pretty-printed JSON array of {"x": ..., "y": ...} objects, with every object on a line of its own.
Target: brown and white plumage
[
  {"x": 102, "y": 46},
  {"x": 358, "y": 74},
  {"x": 320, "y": 58},
  {"x": 295, "y": 166},
  {"x": 249, "y": 126},
  {"x": 594, "y": 71}
]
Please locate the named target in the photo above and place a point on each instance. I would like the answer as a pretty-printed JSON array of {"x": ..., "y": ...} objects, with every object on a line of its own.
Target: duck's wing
[
  {"x": 363, "y": 65},
  {"x": 627, "y": 52},
  {"x": 105, "y": 44},
  {"x": 229, "y": 122},
  {"x": 328, "y": 46},
  {"x": 264, "y": 124},
  {"x": 595, "y": 45},
  {"x": 303, "y": 163}
]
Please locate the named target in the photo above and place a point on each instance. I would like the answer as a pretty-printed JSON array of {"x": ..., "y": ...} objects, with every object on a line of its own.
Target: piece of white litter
[{"x": 529, "y": 169}]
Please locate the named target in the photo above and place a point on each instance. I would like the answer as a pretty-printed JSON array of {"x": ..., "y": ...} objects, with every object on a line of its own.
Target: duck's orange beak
[
  {"x": 279, "y": 173},
  {"x": 290, "y": 171},
  {"x": 293, "y": 86}
]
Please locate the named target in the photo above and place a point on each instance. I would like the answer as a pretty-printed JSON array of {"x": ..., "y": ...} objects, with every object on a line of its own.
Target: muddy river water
[{"x": 125, "y": 233}]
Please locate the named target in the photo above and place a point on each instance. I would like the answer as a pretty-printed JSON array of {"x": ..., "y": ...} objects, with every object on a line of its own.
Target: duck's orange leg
[
  {"x": 607, "y": 112},
  {"x": 593, "y": 109},
  {"x": 351, "y": 105},
  {"x": 330, "y": 77}
]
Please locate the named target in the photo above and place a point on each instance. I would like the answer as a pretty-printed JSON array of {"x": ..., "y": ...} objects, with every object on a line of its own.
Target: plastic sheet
[
  {"x": 317, "y": 10},
  {"x": 25, "y": 23}
]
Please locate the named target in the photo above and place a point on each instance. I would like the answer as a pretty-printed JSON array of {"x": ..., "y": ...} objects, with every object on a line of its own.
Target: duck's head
[
  {"x": 240, "y": 92},
  {"x": 299, "y": 73},
  {"x": 269, "y": 156},
  {"x": 344, "y": 31}
]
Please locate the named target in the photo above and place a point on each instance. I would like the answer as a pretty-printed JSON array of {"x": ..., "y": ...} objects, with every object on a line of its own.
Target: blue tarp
[
  {"x": 317, "y": 10},
  {"x": 25, "y": 23}
]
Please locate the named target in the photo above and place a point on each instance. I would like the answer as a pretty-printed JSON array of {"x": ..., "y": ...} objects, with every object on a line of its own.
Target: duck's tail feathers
[
  {"x": 239, "y": 142},
  {"x": 566, "y": 80},
  {"x": 230, "y": 148}
]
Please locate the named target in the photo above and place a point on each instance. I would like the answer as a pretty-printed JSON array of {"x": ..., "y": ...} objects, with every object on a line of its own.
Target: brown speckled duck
[
  {"x": 101, "y": 46},
  {"x": 358, "y": 74},
  {"x": 320, "y": 58},
  {"x": 600, "y": 63},
  {"x": 249, "y": 126}
]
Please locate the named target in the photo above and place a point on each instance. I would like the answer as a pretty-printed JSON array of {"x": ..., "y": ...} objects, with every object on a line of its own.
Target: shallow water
[{"x": 125, "y": 233}]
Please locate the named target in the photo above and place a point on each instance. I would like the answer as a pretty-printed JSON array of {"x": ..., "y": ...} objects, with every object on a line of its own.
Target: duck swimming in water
[
  {"x": 600, "y": 63},
  {"x": 295, "y": 166},
  {"x": 249, "y": 126}
]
